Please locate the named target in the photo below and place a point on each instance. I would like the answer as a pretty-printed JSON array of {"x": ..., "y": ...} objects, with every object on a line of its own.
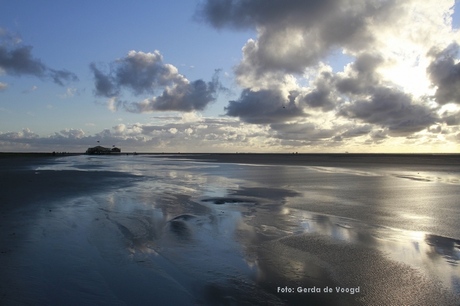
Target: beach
[{"x": 230, "y": 229}]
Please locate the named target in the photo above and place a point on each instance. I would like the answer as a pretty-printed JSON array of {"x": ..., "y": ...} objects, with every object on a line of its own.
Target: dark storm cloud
[
  {"x": 146, "y": 73},
  {"x": 391, "y": 108},
  {"x": 444, "y": 73},
  {"x": 264, "y": 106},
  {"x": 18, "y": 61}
]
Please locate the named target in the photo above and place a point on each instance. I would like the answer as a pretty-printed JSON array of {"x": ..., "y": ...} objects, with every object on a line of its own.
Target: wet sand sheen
[
  {"x": 186, "y": 234},
  {"x": 380, "y": 280}
]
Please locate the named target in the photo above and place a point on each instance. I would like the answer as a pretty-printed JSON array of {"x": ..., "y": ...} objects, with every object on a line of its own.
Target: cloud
[
  {"x": 204, "y": 135},
  {"x": 321, "y": 94},
  {"x": 139, "y": 71},
  {"x": 301, "y": 131},
  {"x": 113, "y": 104},
  {"x": 264, "y": 106},
  {"x": 450, "y": 115},
  {"x": 71, "y": 133},
  {"x": 61, "y": 77},
  {"x": 3, "y": 86},
  {"x": 31, "y": 89},
  {"x": 358, "y": 93},
  {"x": 296, "y": 34},
  {"x": 146, "y": 73},
  {"x": 372, "y": 99},
  {"x": 391, "y": 108},
  {"x": 24, "y": 134},
  {"x": 361, "y": 76},
  {"x": 17, "y": 60},
  {"x": 396, "y": 49},
  {"x": 225, "y": 134},
  {"x": 69, "y": 93},
  {"x": 444, "y": 73},
  {"x": 103, "y": 83},
  {"x": 356, "y": 131},
  {"x": 185, "y": 97}
]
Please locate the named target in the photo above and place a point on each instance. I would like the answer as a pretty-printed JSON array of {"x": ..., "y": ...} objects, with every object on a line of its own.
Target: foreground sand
[
  {"x": 24, "y": 186},
  {"x": 111, "y": 237},
  {"x": 27, "y": 193}
]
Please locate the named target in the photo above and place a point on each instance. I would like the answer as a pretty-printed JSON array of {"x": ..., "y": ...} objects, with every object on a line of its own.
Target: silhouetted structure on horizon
[{"x": 102, "y": 150}]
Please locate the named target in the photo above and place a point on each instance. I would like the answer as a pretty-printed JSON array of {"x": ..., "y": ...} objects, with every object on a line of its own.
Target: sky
[{"x": 361, "y": 76}]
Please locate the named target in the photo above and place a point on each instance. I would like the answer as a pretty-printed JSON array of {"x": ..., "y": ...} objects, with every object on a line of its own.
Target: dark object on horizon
[{"x": 102, "y": 150}]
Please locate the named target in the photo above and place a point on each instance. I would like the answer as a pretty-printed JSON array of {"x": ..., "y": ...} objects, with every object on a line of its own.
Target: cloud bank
[
  {"x": 166, "y": 135},
  {"x": 403, "y": 79}
]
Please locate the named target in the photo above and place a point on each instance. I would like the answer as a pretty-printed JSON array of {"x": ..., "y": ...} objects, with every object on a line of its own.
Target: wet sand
[
  {"x": 331, "y": 160},
  {"x": 211, "y": 233},
  {"x": 26, "y": 194},
  {"x": 24, "y": 186}
]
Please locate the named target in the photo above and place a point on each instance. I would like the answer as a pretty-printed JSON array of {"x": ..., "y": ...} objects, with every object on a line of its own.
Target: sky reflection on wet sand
[{"x": 222, "y": 233}]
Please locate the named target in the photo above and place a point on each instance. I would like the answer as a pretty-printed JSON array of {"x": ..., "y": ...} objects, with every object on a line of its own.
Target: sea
[{"x": 182, "y": 231}]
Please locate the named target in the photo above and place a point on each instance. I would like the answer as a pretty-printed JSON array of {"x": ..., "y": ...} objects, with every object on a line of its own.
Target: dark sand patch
[
  {"x": 180, "y": 228},
  {"x": 229, "y": 200},
  {"x": 253, "y": 196}
]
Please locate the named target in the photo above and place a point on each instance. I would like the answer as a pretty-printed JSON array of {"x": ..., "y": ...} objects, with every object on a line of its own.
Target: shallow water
[{"x": 191, "y": 232}]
